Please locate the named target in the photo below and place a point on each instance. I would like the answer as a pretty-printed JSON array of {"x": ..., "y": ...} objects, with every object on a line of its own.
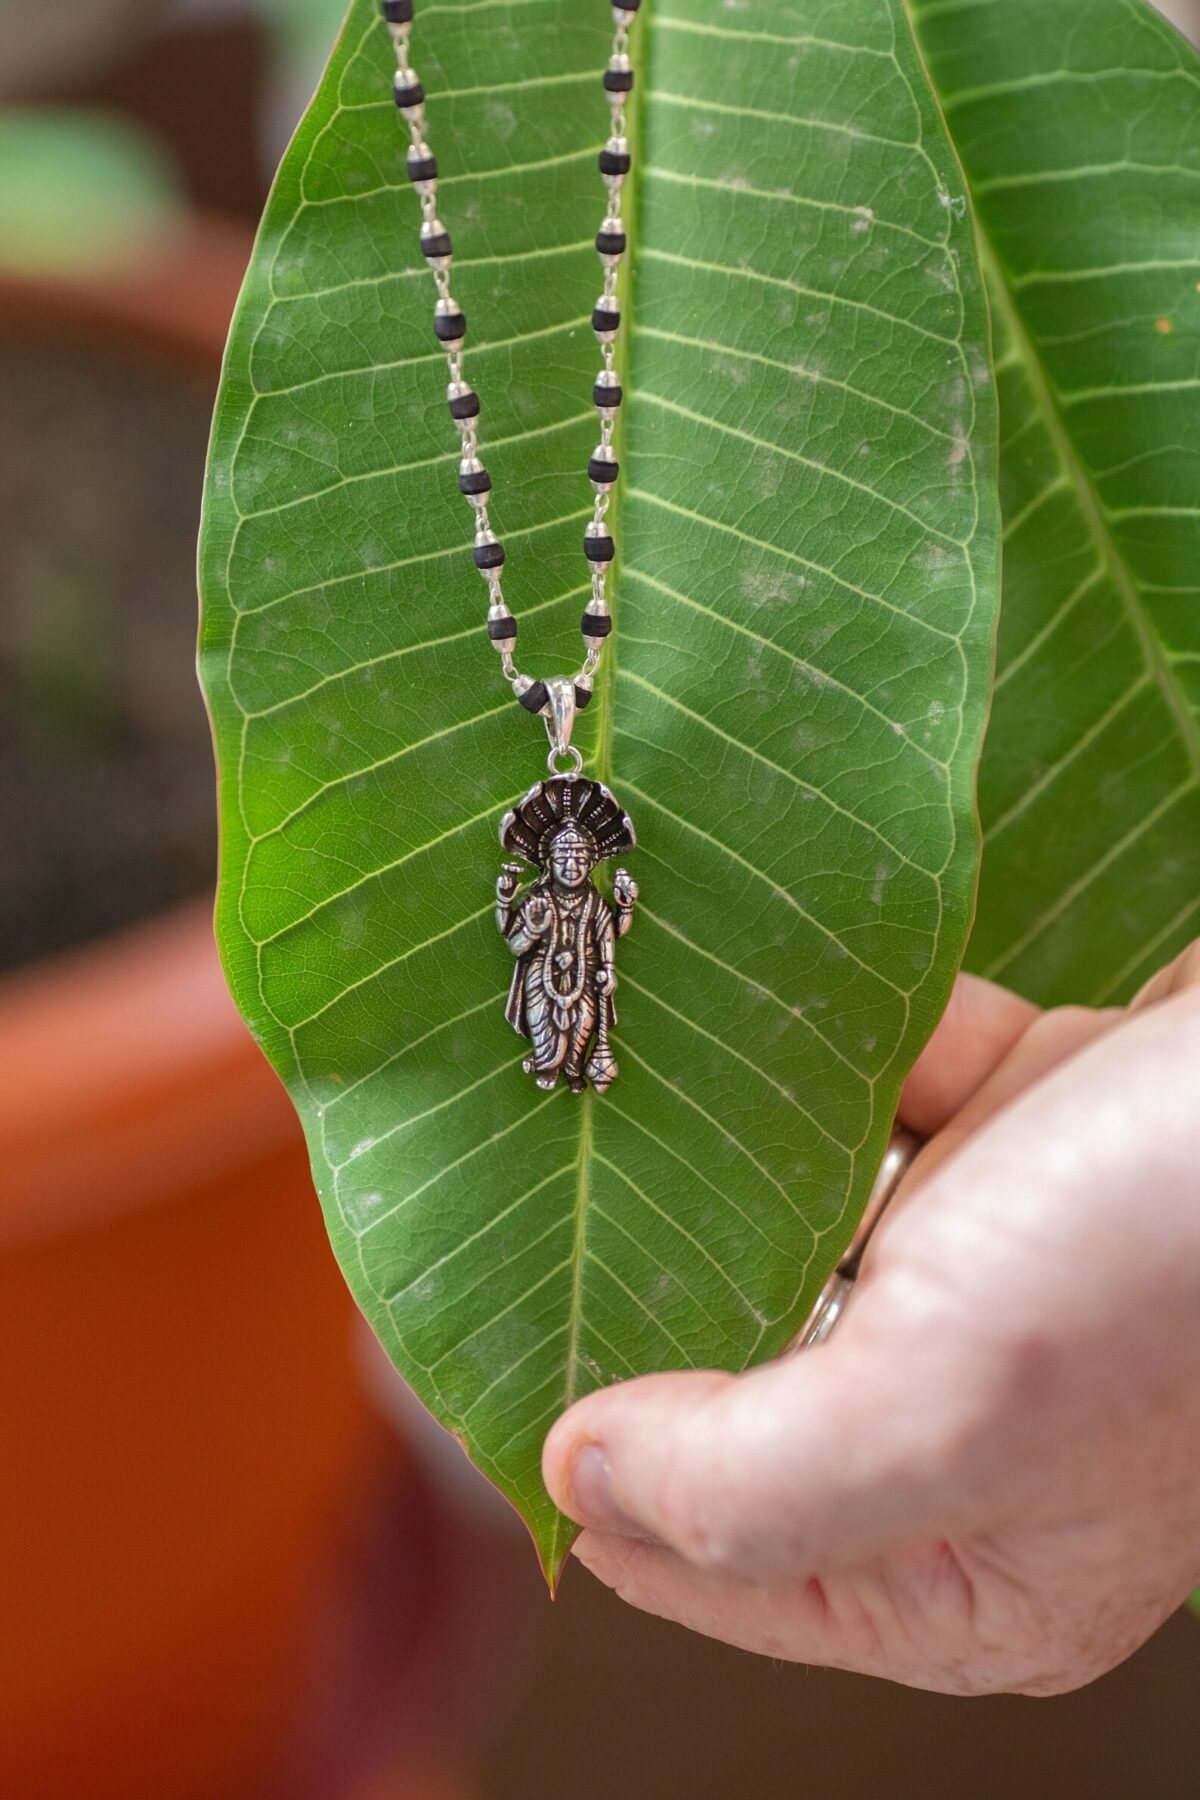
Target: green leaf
[
  {"x": 1079, "y": 127},
  {"x": 805, "y": 618}
]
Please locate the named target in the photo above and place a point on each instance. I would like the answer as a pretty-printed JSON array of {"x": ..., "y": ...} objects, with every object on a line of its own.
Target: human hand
[
  {"x": 988, "y": 1479},
  {"x": 606, "y": 979}
]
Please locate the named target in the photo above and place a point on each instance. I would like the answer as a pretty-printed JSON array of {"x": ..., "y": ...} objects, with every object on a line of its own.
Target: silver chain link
[{"x": 410, "y": 100}]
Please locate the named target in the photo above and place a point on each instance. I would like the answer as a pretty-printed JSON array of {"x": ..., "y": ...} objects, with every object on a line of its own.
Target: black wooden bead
[
  {"x": 410, "y": 94},
  {"x": 478, "y": 481},
  {"x": 421, "y": 168},
  {"x": 602, "y": 471},
  {"x": 534, "y": 698},
  {"x": 465, "y": 406},
  {"x": 502, "y": 628},
  {"x": 618, "y": 81},
  {"x": 398, "y": 12},
  {"x": 599, "y": 549},
  {"x": 439, "y": 245},
  {"x": 595, "y": 625},
  {"x": 489, "y": 556},
  {"x": 615, "y": 162},
  {"x": 449, "y": 326},
  {"x": 610, "y": 243},
  {"x": 606, "y": 318},
  {"x": 582, "y": 696},
  {"x": 606, "y": 396},
  {"x": 626, "y": 5}
]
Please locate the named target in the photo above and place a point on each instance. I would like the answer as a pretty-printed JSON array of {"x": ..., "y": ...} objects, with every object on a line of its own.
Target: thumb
[{"x": 805, "y": 1465}]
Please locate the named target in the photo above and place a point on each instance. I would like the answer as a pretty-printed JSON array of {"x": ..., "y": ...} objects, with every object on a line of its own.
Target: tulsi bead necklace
[{"x": 561, "y": 930}]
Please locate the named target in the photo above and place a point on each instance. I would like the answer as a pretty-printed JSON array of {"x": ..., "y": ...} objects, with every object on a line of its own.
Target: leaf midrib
[
  {"x": 583, "y": 1193},
  {"x": 1046, "y": 398},
  {"x": 603, "y": 702}
]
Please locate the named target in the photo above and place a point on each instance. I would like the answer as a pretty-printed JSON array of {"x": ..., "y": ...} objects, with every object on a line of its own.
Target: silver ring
[
  {"x": 569, "y": 750},
  {"x": 832, "y": 1300}
]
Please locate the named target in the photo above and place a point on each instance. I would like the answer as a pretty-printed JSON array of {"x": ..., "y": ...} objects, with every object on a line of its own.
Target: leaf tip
[{"x": 553, "y": 1549}]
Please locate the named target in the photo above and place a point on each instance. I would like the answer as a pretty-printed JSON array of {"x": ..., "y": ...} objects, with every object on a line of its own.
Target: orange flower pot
[
  {"x": 199, "y": 1506},
  {"x": 179, "y": 1406}
]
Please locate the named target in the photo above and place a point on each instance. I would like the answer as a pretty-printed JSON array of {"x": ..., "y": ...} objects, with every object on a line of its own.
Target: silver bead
[
  {"x": 433, "y": 228},
  {"x": 445, "y": 307},
  {"x": 409, "y": 78},
  {"x": 608, "y": 378},
  {"x": 611, "y": 259},
  {"x": 597, "y": 608},
  {"x": 471, "y": 465},
  {"x": 605, "y": 304},
  {"x": 522, "y": 685},
  {"x": 484, "y": 537},
  {"x": 619, "y": 146},
  {"x": 498, "y": 610},
  {"x": 619, "y": 65},
  {"x": 603, "y": 454},
  {"x": 420, "y": 152},
  {"x": 596, "y": 528}
]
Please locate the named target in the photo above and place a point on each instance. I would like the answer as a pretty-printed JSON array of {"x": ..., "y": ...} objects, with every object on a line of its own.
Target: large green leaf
[
  {"x": 805, "y": 620},
  {"x": 1079, "y": 127}
]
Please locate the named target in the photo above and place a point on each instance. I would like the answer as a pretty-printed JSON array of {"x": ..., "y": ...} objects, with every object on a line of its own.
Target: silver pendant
[{"x": 562, "y": 930}]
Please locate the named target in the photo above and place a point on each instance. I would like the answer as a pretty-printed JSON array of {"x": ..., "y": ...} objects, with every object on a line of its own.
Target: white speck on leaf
[
  {"x": 733, "y": 372},
  {"x": 358, "y": 1209},
  {"x": 501, "y": 119}
]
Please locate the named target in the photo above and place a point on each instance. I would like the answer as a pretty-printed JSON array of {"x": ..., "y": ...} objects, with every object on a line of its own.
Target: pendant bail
[{"x": 560, "y": 721}]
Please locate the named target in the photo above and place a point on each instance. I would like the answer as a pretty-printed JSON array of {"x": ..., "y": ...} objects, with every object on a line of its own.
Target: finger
[
  {"x": 1051, "y": 1039},
  {"x": 791, "y": 1620},
  {"x": 1181, "y": 973},
  {"x": 978, "y": 1029},
  {"x": 797, "y": 1467},
  {"x": 914, "y": 1619}
]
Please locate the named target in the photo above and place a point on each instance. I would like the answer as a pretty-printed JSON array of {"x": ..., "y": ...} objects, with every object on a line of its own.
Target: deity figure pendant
[{"x": 562, "y": 931}]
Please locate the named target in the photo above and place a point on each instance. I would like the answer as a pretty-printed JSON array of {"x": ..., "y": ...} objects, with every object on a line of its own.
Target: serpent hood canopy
[{"x": 531, "y": 826}]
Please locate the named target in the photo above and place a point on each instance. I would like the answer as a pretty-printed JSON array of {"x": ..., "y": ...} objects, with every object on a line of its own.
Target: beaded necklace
[{"x": 567, "y": 824}]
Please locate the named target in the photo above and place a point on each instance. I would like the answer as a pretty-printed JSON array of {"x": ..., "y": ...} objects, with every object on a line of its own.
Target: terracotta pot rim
[
  {"x": 176, "y": 300},
  {"x": 127, "y": 1078}
]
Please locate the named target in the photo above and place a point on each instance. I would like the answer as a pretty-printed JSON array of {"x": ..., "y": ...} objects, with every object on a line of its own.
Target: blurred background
[{"x": 239, "y": 1564}]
